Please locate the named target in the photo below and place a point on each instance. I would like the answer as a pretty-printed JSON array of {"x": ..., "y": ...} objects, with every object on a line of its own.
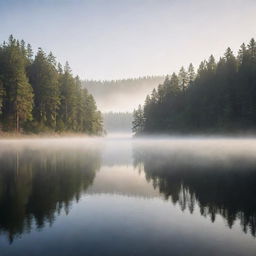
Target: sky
[{"x": 114, "y": 39}]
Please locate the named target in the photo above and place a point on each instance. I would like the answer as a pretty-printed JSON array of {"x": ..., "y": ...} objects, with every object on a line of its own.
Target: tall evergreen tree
[
  {"x": 43, "y": 77},
  {"x": 138, "y": 121},
  {"x": 191, "y": 73},
  {"x": 18, "y": 103},
  {"x": 68, "y": 106},
  {"x": 183, "y": 79},
  {"x": 2, "y": 94}
]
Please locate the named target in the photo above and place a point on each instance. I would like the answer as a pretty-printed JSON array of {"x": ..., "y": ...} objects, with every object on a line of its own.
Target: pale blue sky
[{"x": 110, "y": 39}]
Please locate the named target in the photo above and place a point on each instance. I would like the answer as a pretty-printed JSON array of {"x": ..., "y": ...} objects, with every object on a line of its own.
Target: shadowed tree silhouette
[{"x": 37, "y": 184}]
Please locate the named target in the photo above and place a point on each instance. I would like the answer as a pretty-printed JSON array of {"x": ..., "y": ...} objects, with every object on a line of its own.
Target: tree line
[
  {"x": 220, "y": 96},
  {"x": 38, "y": 95}
]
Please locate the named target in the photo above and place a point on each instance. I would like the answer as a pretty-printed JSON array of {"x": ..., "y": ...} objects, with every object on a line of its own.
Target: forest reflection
[
  {"x": 220, "y": 179},
  {"x": 37, "y": 183}
]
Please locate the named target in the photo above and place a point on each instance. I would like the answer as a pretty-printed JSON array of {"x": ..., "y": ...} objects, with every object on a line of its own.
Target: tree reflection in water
[
  {"x": 36, "y": 184},
  {"x": 222, "y": 184}
]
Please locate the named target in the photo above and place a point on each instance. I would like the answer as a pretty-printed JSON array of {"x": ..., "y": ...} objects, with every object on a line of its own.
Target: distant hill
[
  {"x": 121, "y": 95},
  {"x": 117, "y": 122}
]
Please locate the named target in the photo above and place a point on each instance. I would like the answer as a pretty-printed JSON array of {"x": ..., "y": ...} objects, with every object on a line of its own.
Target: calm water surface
[{"x": 118, "y": 196}]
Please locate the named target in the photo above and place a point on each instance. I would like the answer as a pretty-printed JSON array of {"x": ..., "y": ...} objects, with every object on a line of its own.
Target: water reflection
[
  {"x": 127, "y": 191},
  {"x": 124, "y": 181},
  {"x": 38, "y": 181},
  {"x": 217, "y": 175}
]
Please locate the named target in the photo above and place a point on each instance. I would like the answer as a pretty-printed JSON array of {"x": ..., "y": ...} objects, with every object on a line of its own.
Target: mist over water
[
  {"x": 117, "y": 135},
  {"x": 120, "y": 195}
]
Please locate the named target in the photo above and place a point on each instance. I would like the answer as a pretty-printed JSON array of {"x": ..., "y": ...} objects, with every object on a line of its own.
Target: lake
[{"x": 124, "y": 196}]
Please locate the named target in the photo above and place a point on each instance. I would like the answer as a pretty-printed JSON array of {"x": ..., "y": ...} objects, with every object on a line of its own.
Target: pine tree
[
  {"x": 29, "y": 52},
  {"x": 138, "y": 120},
  {"x": 43, "y": 76},
  {"x": 191, "y": 73},
  {"x": 24, "y": 102},
  {"x": 211, "y": 64},
  {"x": 252, "y": 49},
  {"x": 18, "y": 103},
  {"x": 93, "y": 119},
  {"x": 2, "y": 94},
  {"x": 242, "y": 53},
  {"x": 68, "y": 106},
  {"x": 183, "y": 79},
  {"x": 175, "y": 85}
]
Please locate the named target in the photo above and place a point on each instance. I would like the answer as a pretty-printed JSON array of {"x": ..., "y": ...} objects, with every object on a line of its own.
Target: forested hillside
[
  {"x": 121, "y": 95},
  {"x": 38, "y": 95},
  {"x": 117, "y": 122},
  {"x": 221, "y": 96}
]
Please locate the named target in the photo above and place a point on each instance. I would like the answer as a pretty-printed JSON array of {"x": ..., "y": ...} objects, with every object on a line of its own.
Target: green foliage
[
  {"x": 78, "y": 111},
  {"x": 18, "y": 100},
  {"x": 2, "y": 94},
  {"x": 36, "y": 95},
  {"x": 68, "y": 106},
  {"x": 43, "y": 77},
  {"x": 220, "y": 97}
]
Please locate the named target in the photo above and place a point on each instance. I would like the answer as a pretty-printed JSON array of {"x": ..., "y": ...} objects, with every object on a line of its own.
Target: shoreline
[{"x": 14, "y": 135}]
